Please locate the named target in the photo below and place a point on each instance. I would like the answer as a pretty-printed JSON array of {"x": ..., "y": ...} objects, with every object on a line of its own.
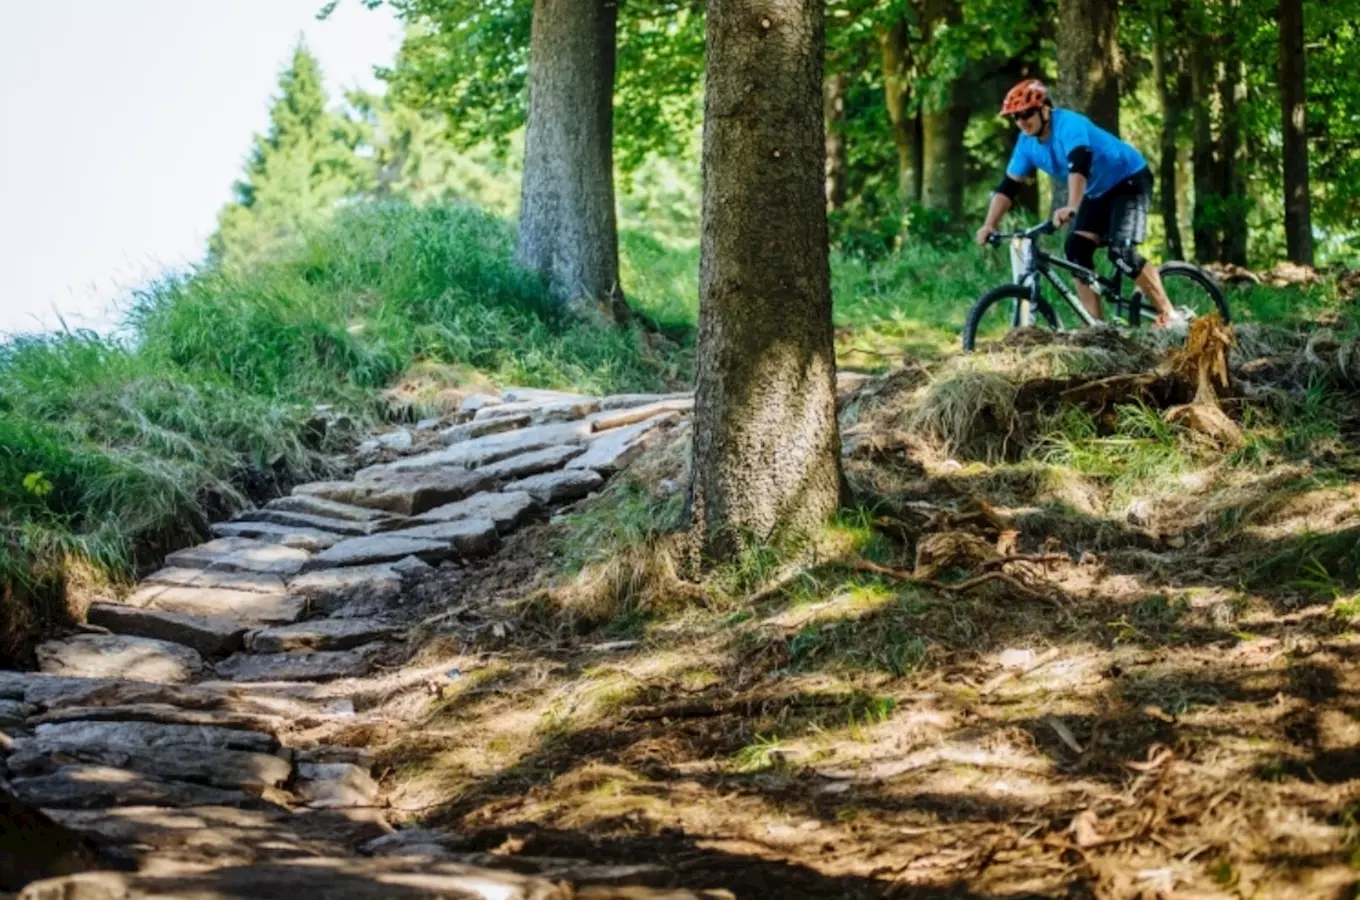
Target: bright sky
[{"x": 126, "y": 123}]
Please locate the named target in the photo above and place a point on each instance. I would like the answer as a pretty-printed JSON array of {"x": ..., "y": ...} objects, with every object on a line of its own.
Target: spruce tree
[{"x": 296, "y": 174}]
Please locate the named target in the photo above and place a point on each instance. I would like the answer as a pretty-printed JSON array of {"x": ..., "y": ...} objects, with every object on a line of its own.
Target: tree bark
[
  {"x": 895, "y": 46},
  {"x": 766, "y": 446},
  {"x": 1088, "y": 60},
  {"x": 833, "y": 112},
  {"x": 1206, "y": 227},
  {"x": 1231, "y": 151},
  {"x": 567, "y": 227},
  {"x": 944, "y": 155},
  {"x": 1171, "y": 87},
  {"x": 1298, "y": 213}
]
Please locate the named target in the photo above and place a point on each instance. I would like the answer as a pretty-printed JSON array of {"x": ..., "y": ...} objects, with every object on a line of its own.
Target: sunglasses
[{"x": 1022, "y": 116}]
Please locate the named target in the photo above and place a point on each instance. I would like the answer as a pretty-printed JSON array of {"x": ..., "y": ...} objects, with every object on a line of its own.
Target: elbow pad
[
  {"x": 1079, "y": 161},
  {"x": 1008, "y": 187}
]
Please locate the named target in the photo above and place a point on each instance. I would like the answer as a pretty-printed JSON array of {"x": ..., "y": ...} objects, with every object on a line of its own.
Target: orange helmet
[{"x": 1028, "y": 94}]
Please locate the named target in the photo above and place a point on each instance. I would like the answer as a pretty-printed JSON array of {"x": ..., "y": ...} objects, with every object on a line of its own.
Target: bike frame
[{"x": 1040, "y": 263}]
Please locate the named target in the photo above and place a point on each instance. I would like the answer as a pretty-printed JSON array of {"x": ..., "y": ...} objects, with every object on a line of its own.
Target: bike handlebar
[{"x": 1045, "y": 227}]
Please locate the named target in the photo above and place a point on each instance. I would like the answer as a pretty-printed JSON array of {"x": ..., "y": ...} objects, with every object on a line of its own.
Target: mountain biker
[{"x": 1109, "y": 190}]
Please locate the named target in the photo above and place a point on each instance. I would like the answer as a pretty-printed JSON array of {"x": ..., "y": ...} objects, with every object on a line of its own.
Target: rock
[
  {"x": 532, "y": 463},
  {"x": 490, "y": 448},
  {"x": 618, "y": 418},
  {"x": 355, "y": 756},
  {"x": 408, "y": 493},
  {"x": 318, "y": 666},
  {"x": 245, "y": 607},
  {"x": 475, "y": 429},
  {"x": 412, "y": 567},
  {"x": 209, "y": 637},
  {"x": 14, "y": 713},
  {"x": 375, "y": 587},
  {"x": 234, "y": 554},
  {"x": 1016, "y": 659},
  {"x": 307, "y": 520},
  {"x": 628, "y": 401},
  {"x": 396, "y": 440},
  {"x": 99, "y": 787},
  {"x": 380, "y": 548},
  {"x": 199, "y": 578},
  {"x": 429, "y": 424},
  {"x": 319, "y": 634},
  {"x": 119, "y": 656},
  {"x": 150, "y": 735},
  {"x": 165, "y": 713},
  {"x": 396, "y": 843},
  {"x": 205, "y": 828},
  {"x": 612, "y": 450},
  {"x": 13, "y": 684},
  {"x": 468, "y": 538},
  {"x": 541, "y": 412},
  {"x": 553, "y": 487},
  {"x": 508, "y": 509},
  {"x": 79, "y": 886},
  {"x": 475, "y": 402},
  {"x": 335, "y": 785},
  {"x": 540, "y": 395},
  {"x": 287, "y": 535},
  {"x": 319, "y": 506},
  {"x": 298, "y": 703},
  {"x": 237, "y": 769}
]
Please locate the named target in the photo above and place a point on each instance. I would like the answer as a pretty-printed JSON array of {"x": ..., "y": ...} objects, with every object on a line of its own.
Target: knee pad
[
  {"x": 1081, "y": 250},
  {"x": 1127, "y": 259}
]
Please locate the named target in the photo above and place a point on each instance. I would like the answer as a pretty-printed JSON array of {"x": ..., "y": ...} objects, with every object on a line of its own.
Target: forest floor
[{"x": 1152, "y": 690}]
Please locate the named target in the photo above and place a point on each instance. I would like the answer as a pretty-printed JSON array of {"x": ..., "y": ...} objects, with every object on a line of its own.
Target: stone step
[
  {"x": 627, "y": 416},
  {"x": 320, "y": 634},
  {"x": 540, "y": 395},
  {"x": 533, "y": 462},
  {"x": 302, "y": 538},
  {"x": 466, "y": 538},
  {"x": 14, "y": 713},
  {"x": 493, "y": 447},
  {"x": 152, "y": 735},
  {"x": 164, "y": 713},
  {"x": 375, "y": 588},
  {"x": 508, "y": 509},
  {"x": 628, "y": 401},
  {"x": 235, "y": 554},
  {"x": 481, "y": 428},
  {"x": 554, "y": 487},
  {"x": 99, "y": 787},
  {"x": 119, "y": 656},
  {"x": 213, "y": 766},
  {"x": 307, "y": 520},
  {"x": 611, "y": 450},
  {"x": 248, "y": 608},
  {"x": 380, "y": 548},
  {"x": 201, "y": 578},
  {"x": 335, "y": 786},
  {"x": 321, "y": 665},
  {"x": 208, "y": 637},
  {"x": 329, "y": 509},
  {"x": 407, "y": 493},
  {"x": 542, "y": 412}
]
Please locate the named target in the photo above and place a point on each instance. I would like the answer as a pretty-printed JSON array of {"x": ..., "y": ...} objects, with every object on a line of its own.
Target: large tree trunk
[
  {"x": 1231, "y": 151},
  {"x": 766, "y": 446},
  {"x": 567, "y": 227},
  {"x": 1298, "y": 214},
  {"x": 944, "y": 155},
  {"x": 1171, "y": 87},
  {"x": 833, "y": 112},
  {"x": 1088, "y": 59},
  {"x": 906, "y": 122},
  {"x": 1206, "y": 225}
]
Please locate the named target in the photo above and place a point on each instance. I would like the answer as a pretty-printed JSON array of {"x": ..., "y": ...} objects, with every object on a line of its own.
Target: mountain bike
[{"x": 1192, "y": 291}]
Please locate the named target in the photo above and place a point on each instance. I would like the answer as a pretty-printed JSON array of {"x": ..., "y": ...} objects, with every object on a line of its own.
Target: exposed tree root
[{"x": 1053, "y": 596}]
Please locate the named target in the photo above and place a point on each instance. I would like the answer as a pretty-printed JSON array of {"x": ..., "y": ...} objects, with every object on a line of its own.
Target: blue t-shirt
[{"x": 1112, "y": 160}]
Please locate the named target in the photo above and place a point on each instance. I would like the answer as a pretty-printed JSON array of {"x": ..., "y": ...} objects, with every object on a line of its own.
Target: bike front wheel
[
  {"x": 1002, "y": 310},
  {"x": 1192, "y": 291}
]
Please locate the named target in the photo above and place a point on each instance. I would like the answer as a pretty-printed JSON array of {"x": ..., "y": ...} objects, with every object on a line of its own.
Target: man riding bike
[{"x": 1109, "y": 190}]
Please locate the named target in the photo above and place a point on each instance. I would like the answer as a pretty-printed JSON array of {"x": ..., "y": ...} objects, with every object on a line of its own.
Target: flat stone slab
[
  {"x": 612, "y": 450},
  {"x": 483, "y": 450},
  {"x": 627, "y": 401},
  {"x": 200, "y": 578},
  {"x": 329, "y": 509},
  {"x": 235, "y": 769},
  {"x": 481, "y": 428},
  {"x": 467, "y": 538},
  {"x": 236, "y": 554},
  {"x": 298, "y": 703},
  {"x": 407, "y": 493},
  {"x": 320, "y": 634},
  {"x": 508, "y": 509},
  {"x": 244, "y": 607},
  {"x": 554, "y": 487},
  {"x": 380, "y": 548},
  {"x": 209, "y": 637},
  {"x": 532, "y": 463},
  {"x": 14, "y": 712},
  {"x": 322, "y": 665},
  {"x": 147, "y": 735},
  {"x": 540, "y": 395},
  {"x": 302, "y": 538},
  {"x": 335, "y": 786},
  {"x": 308, "y": 520},
  {"x": 164, "y": 713},
  {"x": 99, "y": 787},
  {"x": 541, "y": 412},
  {"x": 119, "y": 656},
  {"x": 328, "y": 590},
  {"x": 627, "y": 416}
]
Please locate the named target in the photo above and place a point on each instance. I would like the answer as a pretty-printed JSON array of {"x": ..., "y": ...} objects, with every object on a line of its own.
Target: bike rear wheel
[
  {"x": 1192, "y": 291},
  {"x": 1002, "y": 310}
]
